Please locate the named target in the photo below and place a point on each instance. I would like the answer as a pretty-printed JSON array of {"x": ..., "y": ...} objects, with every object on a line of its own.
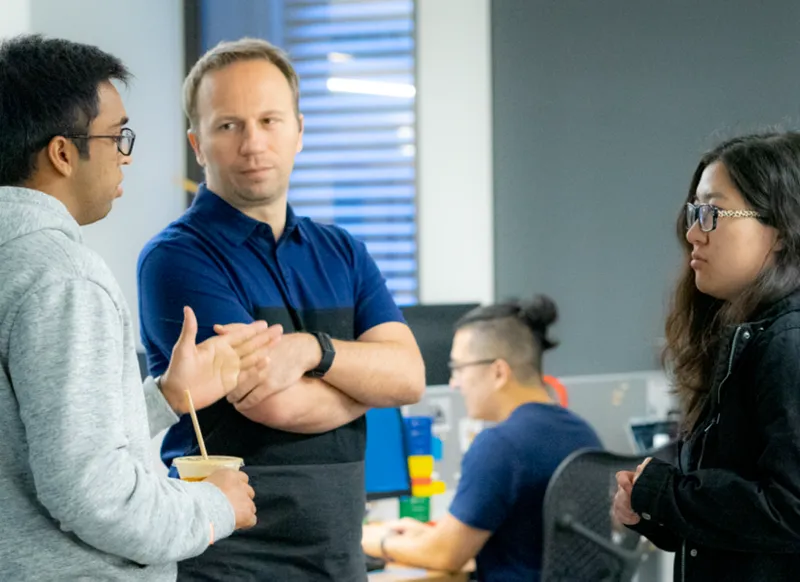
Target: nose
[
  {"x": 254, "y": 139},
  {"x": 695, "y": 236},
  {"x": 453, "y": 383}
]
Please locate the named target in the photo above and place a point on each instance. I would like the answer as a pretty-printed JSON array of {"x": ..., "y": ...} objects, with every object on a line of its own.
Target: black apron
[{"x": 309, "y": 488}]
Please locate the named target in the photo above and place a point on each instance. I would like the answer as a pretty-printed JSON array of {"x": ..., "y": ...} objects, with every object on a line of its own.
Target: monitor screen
[
  {"x": 648, "y": 434},
  {"x": 433, "y": 327},
  {"x": 386, "y": 463}
]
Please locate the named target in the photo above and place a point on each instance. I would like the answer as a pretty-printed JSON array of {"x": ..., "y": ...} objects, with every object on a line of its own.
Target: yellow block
[
  {"x": 420, "y": 466},
  {"x": 435, "y": 488}
]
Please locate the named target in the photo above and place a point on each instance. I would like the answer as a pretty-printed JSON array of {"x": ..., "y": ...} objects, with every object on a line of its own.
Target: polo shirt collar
[{"x": 232, "y": 223}]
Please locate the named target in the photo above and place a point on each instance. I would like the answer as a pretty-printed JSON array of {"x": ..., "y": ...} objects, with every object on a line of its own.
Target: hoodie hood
[{"x": 24, "y": 211}]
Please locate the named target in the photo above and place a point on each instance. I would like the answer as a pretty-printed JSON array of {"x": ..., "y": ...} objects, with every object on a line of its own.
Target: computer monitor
[
  {"x": 432, "y": 326},
  {"x": 386, "y": 464},
  {"x": 649, "y": 434}
]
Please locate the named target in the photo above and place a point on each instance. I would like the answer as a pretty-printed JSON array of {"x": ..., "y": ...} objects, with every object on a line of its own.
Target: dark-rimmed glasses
[
  {"x": 455, "y": 367},
  {"x": 706, "y": 215},
  {"x": 124, "y": 139}
]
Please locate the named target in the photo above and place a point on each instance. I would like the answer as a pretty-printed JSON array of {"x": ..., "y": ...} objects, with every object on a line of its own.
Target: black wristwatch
[{"x": 328, "y": 354}]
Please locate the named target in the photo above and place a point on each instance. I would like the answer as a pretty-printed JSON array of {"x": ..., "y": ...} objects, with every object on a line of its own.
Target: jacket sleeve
[
  {"x": 721, "y": 509},
  {"x": 660, "y": 536},
  {"x": 66, "y": 366}
]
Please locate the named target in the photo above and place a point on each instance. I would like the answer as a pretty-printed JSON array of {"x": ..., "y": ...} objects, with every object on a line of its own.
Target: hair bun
[{"x": 540, "y": 313}]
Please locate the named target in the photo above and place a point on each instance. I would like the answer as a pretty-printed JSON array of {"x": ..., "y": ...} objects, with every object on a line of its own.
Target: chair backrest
[{"x": 581, "y": 543}]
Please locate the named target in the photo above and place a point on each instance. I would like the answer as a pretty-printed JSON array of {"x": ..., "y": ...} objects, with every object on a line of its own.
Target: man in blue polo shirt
[{"x": 240, "y": 254}]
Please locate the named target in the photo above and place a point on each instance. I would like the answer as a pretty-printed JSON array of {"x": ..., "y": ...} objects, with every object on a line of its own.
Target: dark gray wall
[{"x": 601, "y": 111}]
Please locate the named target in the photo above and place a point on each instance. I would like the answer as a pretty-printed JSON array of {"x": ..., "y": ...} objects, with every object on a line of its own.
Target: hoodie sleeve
[
  {"x": 160, "y": 415},
  {"x": 66, "y": 362}
]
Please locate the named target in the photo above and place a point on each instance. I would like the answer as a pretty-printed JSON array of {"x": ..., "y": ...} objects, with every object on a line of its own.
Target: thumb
[{"x": 189, "y": 329}]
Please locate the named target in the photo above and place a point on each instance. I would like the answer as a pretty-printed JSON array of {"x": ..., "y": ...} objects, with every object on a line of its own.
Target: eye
[{"x": 230, "y": 126}]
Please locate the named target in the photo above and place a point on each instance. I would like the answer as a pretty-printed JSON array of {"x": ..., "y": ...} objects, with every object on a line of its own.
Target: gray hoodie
[{"x": 79, "y": 499}]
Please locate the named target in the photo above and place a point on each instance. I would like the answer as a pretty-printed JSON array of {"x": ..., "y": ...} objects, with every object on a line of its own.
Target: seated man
[{"x": 496, "y": 516}]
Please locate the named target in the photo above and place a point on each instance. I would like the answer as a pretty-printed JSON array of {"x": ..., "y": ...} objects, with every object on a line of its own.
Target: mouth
[
  {"x": 257, "y": 171},
  {"x": 697, "y": 261}
]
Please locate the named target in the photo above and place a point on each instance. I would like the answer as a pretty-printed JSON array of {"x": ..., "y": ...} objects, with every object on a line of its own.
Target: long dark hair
[{"x": 766, "y": 170}]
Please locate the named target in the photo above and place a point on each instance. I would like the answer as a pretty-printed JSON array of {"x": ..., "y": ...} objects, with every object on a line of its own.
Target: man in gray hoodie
[{"x": 79, "y": 499}]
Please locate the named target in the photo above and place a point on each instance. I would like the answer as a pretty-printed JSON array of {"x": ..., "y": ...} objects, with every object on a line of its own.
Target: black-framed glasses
[
  {"x": 706, "y": 215},
  {"x": 455, "y": 366},
  {"x": 124, "y": 139}
]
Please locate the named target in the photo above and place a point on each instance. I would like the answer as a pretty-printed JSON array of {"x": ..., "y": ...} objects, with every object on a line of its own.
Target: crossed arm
[{"x": 381, "y": 368}]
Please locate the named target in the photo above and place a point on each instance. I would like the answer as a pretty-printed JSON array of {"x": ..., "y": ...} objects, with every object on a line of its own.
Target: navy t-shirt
[{"x": 504, "y": 475}]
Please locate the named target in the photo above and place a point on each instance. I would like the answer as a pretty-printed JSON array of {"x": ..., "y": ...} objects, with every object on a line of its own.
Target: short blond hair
[{"x": 229, "y": 52}]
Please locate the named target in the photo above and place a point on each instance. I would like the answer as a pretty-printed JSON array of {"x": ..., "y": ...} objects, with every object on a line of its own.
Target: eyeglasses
[
  {"x": 706, "y": 215},
  {"x": 124, "y": 140},
  {"x": 455, "y": 367}
]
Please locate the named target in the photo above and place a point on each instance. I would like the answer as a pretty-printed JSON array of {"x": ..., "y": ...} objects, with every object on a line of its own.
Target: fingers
[
  {"x": 259, "y": 358},
  {"x": 220, "y": 329},
  {"x": 189, "y": 329},
  {"x": 261, "y": 343},
  {"x": 236, "y": 334},
  {"x": 243, "y": 477},
  {"x": 641, "y": 468},
  {"x": 248, "y": 381},
  {"x": 253, "y": 519},
  {"x": 256, "y": 396},
  {"x": 622, "y": 508},
  {"x": 625, "y": 480},
  {"x": 249, "y": 337},
  {"x": 230, "y": 368}
]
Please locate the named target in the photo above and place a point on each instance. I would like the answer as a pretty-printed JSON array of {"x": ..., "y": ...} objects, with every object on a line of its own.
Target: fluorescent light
[
  {"x": 335, "y": 57},
  {"x": 405, "y": 132},
  {"x": 341, "y": 85}
]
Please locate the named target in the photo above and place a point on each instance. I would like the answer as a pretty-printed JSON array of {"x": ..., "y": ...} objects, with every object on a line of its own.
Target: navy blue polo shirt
[
  {"x": 228, "y": 268},
  {"x": 504, "y": 476}
]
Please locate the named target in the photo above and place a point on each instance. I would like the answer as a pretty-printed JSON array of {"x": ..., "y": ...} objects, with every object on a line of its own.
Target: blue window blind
[{"x": 356, "y": 63}]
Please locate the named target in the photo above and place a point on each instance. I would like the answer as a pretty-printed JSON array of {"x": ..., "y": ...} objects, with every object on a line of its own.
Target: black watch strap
[{"x": 328, "y": 354}]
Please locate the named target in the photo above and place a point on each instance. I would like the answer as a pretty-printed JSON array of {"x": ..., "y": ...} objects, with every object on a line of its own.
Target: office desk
[{"x": 398, "y": 573}]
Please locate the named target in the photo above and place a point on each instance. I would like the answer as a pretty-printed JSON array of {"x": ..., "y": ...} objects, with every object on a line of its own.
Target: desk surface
[{"x": 398, "y": 573}]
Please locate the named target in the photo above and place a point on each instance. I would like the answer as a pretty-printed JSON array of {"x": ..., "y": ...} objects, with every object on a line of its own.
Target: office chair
[{"x": 580, "y": 541}]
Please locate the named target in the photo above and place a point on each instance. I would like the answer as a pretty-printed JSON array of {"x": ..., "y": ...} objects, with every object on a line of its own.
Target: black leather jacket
[{"x": 731, "y": 509}]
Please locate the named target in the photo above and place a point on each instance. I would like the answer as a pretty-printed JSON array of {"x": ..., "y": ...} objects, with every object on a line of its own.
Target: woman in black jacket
[{"x": 731, "y": 508}]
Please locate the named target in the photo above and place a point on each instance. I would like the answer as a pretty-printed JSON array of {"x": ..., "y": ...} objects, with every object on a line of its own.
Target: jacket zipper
[
  {"x": 683, "y": 562},
  {"x": 714, "y": 421},
  {"x": 730, "y": 365}
]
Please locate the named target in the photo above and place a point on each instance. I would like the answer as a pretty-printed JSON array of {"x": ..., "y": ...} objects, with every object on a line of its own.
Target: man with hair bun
[{"x": 496, "y": 515}]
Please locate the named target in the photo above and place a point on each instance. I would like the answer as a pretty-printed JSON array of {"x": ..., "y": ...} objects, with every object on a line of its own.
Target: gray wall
[
  {"x": 601, "y": 110},
  {"x": 148, "y": 36}
]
